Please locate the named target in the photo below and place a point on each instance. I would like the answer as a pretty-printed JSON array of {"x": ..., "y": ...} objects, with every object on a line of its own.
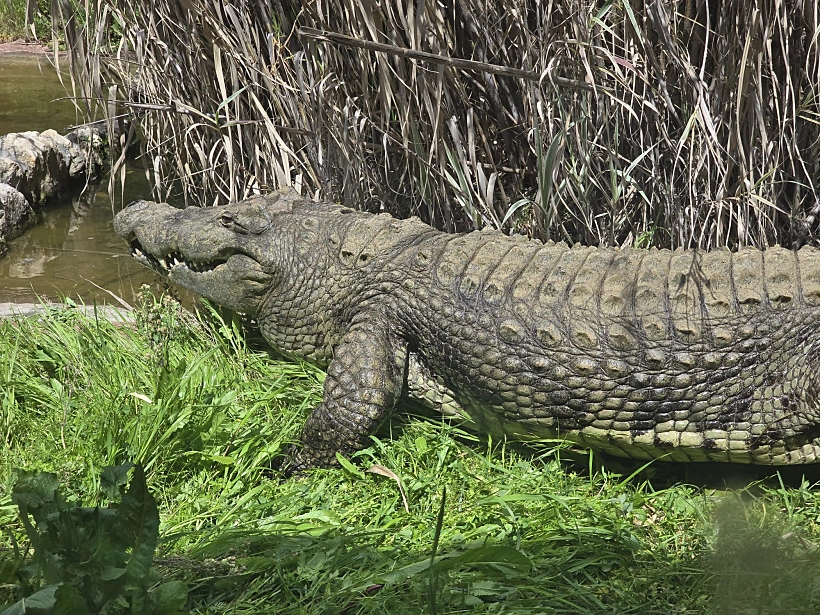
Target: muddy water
[
  {"x": 72, "y": 251},
  {"x": 29, "y": 89}
]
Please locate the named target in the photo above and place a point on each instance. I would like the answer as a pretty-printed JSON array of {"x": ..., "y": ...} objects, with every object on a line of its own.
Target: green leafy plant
[{"x": 90, "y": 560}]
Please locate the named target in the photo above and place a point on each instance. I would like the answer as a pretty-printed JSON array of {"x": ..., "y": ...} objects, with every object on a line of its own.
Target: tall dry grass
[{"x": 650, "y": 122}]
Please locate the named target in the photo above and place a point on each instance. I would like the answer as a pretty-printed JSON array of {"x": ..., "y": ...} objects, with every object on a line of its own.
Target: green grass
[
  {"x": 518, "y": 531},
  {"x": 12, "y": 20}
]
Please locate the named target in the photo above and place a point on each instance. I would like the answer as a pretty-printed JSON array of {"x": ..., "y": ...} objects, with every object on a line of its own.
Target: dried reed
[{"x": 645, "y": 122}]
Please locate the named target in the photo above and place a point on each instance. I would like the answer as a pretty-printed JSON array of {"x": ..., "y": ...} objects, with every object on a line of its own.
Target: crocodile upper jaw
[{"x": 166, "y": 239}]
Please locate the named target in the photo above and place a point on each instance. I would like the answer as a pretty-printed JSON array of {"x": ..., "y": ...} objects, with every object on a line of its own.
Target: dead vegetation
[{"x": 649, "y": 122}]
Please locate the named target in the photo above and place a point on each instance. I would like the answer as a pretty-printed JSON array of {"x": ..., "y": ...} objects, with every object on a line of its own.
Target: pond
[
  {"x": 73, "y": 250},
  {"x": 30, "y": 93}
]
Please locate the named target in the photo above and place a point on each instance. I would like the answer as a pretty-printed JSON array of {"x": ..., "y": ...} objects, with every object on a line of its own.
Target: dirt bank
[{"x": 23, "y": 48}]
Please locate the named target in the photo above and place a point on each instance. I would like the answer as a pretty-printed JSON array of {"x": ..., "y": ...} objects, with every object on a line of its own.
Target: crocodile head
[{"x": 222, "y": 253}]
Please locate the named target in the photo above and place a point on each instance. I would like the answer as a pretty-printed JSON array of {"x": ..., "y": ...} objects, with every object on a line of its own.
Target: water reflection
[{"x": 73, "y": 251}]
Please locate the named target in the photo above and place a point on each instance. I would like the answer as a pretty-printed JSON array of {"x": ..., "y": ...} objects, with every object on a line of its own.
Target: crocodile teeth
[
  {"x": 137, "y": 252},
  {"x": 164, "y": 263}
]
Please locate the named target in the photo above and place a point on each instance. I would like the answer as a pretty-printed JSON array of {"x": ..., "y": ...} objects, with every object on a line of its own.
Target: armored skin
[{"x": 680, "y": 355}]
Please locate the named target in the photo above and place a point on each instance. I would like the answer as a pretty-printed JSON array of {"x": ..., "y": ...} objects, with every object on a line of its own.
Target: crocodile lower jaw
[
  {"x": 237, "y": 281},
  {"x": 166, "y": 264}
]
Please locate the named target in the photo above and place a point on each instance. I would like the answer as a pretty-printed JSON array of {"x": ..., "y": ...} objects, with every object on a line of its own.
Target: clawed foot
[{"x": 298, "y": 459}]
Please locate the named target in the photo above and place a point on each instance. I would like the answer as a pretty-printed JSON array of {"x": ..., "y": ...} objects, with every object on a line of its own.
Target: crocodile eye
[{"x": 226, "y": 219}]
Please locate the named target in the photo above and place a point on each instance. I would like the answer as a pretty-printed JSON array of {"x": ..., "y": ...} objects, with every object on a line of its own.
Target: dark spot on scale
[
  {"x": 770, "y": 379},
  {"x": 579, "y": 405},
  {"x": 565, "y": 414},
  {"x": 717, "y": 377},
  {"x": 639, "y": 380},
  {"x": 559, "y": 398},
  {"x": 741, "y": 408},
  {"x": 570, "y": 423},
  {"x": 661, "y": 444},
  {"x": 772, "y": 436},
  {"x": 709, "y": 444},
  {"x": 665, "y": 409},
  {"x": 789, "y": 402}
]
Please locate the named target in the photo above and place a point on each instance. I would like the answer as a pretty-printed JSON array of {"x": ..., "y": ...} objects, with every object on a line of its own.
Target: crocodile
[{"x": 681, "y": 355}]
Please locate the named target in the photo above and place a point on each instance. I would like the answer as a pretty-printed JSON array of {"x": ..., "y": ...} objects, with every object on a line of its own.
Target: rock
[
  {"x": 16, "y": 215},
  {"x": 42, "y": 165},
  {"x": 107, "y": 312},
  {"x": 11, "y": 173},
  {"x": 36, "y": 167},
  {"x": 92, "y": 143}
]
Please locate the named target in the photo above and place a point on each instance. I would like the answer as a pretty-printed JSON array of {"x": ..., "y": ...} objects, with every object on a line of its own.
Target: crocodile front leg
[{"x": 363, "y": 384}]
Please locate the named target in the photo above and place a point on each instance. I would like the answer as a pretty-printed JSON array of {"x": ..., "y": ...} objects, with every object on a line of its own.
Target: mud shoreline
[{"x": 21, "y": 47}]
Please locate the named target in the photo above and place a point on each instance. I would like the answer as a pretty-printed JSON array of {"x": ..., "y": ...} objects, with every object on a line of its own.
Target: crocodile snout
[{"x": 140, "y": 215}]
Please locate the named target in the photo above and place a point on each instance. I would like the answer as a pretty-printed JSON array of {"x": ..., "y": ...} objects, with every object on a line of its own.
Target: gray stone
[
  {"x": 91, "y": 143},
  {"x": 36, "y": 167},
  {"x": 106, "y": 312},
  {"x": 16, "y": 215},
  {"x": 42, "y": 165}
]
